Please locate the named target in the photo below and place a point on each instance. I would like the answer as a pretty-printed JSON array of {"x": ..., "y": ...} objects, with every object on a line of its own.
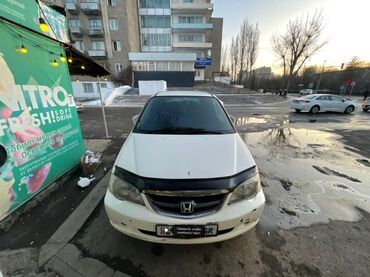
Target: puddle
[
  {"x": 309, "y": 176},
  {"x": 242, "y": 121}
]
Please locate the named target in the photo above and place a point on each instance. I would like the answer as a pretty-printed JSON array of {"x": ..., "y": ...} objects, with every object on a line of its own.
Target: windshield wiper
[{"x": 181, "y": 130}]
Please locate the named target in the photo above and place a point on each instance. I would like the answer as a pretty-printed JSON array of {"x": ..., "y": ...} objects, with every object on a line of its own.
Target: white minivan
[{"x": 184, "y": 175}]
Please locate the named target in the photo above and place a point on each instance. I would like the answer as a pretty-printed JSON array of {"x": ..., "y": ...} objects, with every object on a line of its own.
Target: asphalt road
[{"x": 315, "y": 173}]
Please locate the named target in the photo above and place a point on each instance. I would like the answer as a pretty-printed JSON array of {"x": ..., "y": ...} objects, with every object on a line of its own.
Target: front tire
[
  {"x": 349, "y": 109},
  {"x": 365, "y": 110},
  {"x": 315, "y": 109},
  {"x": 298, "y": 110}
]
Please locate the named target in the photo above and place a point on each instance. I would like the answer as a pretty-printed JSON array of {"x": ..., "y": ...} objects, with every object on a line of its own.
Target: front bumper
[{"x": 140, "y": 222}]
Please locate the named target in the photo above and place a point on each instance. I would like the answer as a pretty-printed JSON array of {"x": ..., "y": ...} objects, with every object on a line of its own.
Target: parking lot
[{"x": 315, "y": 174}]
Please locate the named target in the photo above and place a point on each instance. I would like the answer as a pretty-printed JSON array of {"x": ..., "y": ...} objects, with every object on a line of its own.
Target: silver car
[{"x": 323, "y": 103}]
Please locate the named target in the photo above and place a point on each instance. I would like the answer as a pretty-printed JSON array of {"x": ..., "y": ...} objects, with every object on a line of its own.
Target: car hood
[{"x": 184, "y": 156}]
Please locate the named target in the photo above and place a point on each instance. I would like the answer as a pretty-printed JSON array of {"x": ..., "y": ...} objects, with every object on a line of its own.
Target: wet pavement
[{"x": 316, "y": 176}]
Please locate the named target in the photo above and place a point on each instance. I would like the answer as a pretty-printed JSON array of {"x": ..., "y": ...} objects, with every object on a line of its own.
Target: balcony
[
  {"x": 76, "y": 31},
  {"x": 192, "y": 26},
  {"x": 96, "y": 31},
  {"x": 154, "y": 11},
  {"x": 179, "y": 7},
  {"x": 90, "y": 8},
  {"x": 192, "y": 44},
  {"x": 72, "y": 8},
  {"x": 97, "y": 53}
]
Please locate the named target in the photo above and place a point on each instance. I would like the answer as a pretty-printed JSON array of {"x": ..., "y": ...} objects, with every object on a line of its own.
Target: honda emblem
[{"x": 187, "y": 207}]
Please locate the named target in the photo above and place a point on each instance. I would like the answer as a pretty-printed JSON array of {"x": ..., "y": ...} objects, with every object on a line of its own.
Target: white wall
[{"x": 79, "y": 92}]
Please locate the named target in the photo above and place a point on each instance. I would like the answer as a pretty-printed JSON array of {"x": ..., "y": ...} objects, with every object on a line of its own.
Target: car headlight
[
  {"x": 125, "y": 191},
  {"x": 246, "y": 190}
]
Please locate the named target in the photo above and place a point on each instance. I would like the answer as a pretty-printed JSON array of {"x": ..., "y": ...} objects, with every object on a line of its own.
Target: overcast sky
[{"x": 347, "y": 25}]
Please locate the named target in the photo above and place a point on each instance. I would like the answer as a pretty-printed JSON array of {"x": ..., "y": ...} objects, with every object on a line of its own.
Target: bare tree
[
  {"x": 124, "y": 77},
  {"x": 234, "y": 56},
  {"x": 300, "y": 42},
  {"x": 244, "y": 35},
  {"x": 252, "y": 50},
  {"x": 225, "y": 58},
  {"x": 248, "y": 44}
]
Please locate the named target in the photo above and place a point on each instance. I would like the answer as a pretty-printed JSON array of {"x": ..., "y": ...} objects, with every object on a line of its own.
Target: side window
[{"x": 335, "y": 98}]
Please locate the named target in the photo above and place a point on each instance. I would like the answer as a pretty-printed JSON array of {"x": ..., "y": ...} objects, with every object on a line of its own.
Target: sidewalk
[
  {"x": 38, "y": 243},
  {"x": 58, "y": 257}
]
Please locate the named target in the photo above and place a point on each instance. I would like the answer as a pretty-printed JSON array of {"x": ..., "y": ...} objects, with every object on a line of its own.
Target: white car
[
  {"x": 323, "y": 103},
  {"x": 305, "y": 91},
  {"x": 184, "y": 175}
]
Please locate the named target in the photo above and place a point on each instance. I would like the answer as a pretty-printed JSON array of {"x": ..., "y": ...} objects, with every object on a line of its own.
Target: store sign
[
  {"x": 39, "y": 126},
  {"x": 203, "y": 62},
  {"x": 27, "y": 13}
]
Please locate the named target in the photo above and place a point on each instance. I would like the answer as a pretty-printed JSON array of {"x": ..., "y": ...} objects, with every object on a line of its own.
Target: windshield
[{"x": 184, "y": 115}]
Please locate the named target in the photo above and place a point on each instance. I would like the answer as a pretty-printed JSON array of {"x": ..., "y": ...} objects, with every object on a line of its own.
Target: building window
[
  {"x": 190, "y": 19},
  {"x": 113, "y": 24},
  {"x": 187, "y": 66},
  {"x": 156, "y": 21},
  {"x": 191, "y": 37},
  {"x": 88, "y": 87},
  {"x": 95, "y": 24},
  {"x": 117, "y": 45},
  {"x": 74, "y": 22},
  {"x": 162, "y": 66},
  {"x": 151, "y": 66},
  {"x": 79, "y": 45},
  {"x": 175, "y": 66},
  {"x": 104, "y": 85},
  {"x": 98, "y": 45},
  {"x": 70, "y": 1},
  {"x": 118, "y": 67},
  {"x": 112, "y": 3},
  {"x": 155, "y": 4},
  {"x": 156, "y": 40},
  {"x": 187, "y": 1}
]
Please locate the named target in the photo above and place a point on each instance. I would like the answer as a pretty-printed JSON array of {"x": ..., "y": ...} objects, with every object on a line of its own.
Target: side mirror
[
  {"x": 233, "y": 119},
  {"x": 135, "y": 118},
  {"x": 3, "y": 155},
  {"x": 343, "y": 100}
]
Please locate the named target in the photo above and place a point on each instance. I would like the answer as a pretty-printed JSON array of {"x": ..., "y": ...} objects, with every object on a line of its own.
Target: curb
[{"x": 58, "y": 255}]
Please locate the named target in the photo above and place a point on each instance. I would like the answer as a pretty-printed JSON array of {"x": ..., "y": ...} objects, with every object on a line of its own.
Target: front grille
[{"x": 171, "y": 204}]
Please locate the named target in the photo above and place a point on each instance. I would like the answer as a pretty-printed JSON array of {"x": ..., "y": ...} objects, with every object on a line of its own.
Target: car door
[
  {"x": 337, "y": 104},
  {"x": 324, "y": 103}
]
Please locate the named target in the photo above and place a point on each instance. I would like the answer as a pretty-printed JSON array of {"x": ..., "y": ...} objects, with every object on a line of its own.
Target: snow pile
[{"x": 116, "y": 92}]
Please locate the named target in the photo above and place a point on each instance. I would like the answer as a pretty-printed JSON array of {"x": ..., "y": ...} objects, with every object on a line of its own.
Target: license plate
[{"x": 187, "y": 231}]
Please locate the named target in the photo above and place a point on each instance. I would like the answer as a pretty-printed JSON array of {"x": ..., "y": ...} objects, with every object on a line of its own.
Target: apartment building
[
  {"x": 178, "y": 36},
  {"x": 106, "y": 30},
  {"x": 155, "y": 36}
]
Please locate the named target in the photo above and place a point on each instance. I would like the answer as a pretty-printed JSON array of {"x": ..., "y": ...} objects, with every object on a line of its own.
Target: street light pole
[
  {"x": 103, "y": 109},
  {"x": 319, "y": 81}
]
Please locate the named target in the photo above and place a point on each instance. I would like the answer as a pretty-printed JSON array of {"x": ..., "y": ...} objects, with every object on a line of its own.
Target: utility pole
[
  {"x": 103, "y": 109},
  {"x": 319, "y": 81}
]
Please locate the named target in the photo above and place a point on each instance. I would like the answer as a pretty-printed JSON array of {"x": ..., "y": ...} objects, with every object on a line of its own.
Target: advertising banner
[
  {"x": 28, "y": 12},
  {"x": 40, "y": 135}
]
